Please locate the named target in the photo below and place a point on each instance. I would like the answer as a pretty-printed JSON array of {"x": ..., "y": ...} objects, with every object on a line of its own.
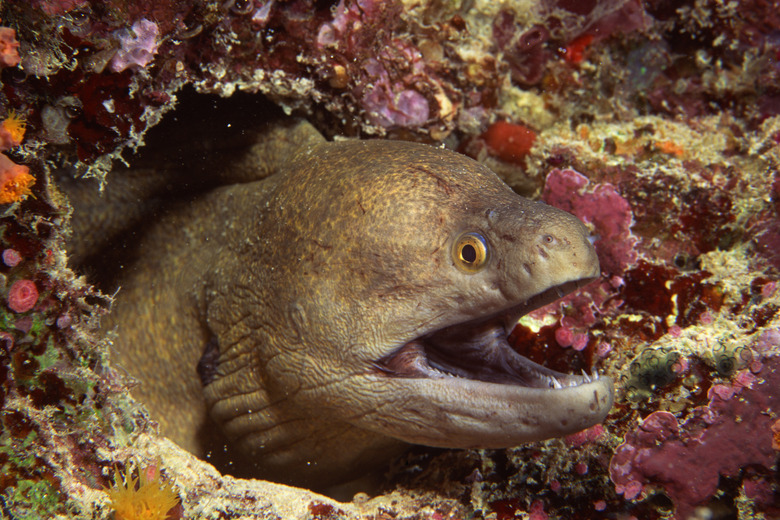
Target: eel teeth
[{"x": 586, "y": 377}]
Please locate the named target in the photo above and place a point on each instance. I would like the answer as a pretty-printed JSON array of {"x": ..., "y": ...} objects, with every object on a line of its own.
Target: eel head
[{"x": 460, "y": 382}]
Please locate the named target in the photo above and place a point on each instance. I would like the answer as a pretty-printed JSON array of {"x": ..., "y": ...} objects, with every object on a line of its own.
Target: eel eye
[{"x": 470, "y": 252}]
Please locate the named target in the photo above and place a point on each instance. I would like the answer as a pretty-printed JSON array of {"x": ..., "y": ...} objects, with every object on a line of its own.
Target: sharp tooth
[
  {"x": 555, "y": 383},
  {"x": 594, "y": 375},
  {"x": 585, "y": 376}
]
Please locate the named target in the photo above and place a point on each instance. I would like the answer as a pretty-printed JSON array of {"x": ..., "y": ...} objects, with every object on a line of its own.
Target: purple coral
[
  {"x": 137, "y": 47},
  {"x": 686, "y": 458},
  {"x": 602, "y": 207},
  {"x": 349, "y": 18},
  {"x": 11, "y": 257},
  {"x": 388, "y": 92},
  {"x": 390, "y": 104},
  {"x": 388, "y": 109}
]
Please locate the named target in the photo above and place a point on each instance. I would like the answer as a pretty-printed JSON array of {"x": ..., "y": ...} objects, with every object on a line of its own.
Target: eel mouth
[{"x": 478, "y": 350}]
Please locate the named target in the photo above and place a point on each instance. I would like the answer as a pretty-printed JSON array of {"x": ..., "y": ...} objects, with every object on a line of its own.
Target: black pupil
[{"x": 468, "y": 253}]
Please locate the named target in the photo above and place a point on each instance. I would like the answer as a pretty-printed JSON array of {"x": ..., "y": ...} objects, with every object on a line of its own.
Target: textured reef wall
[{"x": 656, "y": 122}]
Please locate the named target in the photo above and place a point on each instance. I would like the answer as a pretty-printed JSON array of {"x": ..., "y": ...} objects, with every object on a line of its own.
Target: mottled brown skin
[{"x": 296, "y": 285}]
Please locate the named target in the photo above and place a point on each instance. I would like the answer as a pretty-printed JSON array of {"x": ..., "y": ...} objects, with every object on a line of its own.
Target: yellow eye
[{"x": 470, "y": 252}]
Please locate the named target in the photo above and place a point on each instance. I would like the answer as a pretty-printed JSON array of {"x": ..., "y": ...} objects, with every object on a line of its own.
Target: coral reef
[
  {"x": 657, "y": 123},
  {"x": 686, "y": 459}
]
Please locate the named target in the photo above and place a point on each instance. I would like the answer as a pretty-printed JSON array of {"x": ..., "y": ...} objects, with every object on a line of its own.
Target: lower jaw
[{"x": 452, "y": 412}]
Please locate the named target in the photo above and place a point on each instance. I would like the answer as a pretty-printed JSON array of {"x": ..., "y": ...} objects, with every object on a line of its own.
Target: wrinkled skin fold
[{"x": 318, "y": 320}]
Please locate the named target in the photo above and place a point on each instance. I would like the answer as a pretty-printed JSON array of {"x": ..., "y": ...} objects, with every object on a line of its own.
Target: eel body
[{"x": 356, "y": 301}]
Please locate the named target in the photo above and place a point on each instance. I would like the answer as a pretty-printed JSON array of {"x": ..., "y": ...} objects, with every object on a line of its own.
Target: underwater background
[{"x": 656, "y": 122}]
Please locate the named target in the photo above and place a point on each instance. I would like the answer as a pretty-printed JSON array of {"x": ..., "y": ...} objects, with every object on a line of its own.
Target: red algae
[{"x": 574, "y": 52}]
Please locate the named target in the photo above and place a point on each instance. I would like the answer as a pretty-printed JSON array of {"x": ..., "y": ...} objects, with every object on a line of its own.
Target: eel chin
[{"x": 488, "y": 395}]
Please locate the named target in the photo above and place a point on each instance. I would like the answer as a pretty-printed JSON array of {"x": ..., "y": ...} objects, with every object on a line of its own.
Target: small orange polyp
[
  {"x": 15, "y": 126},
  {"x": 15, "y": 181}
]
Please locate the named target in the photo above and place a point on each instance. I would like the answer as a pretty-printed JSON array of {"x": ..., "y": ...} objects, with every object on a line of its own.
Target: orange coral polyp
[
  {"x": 144, "y": 498},
  {"x": 15, "y": 180},
  {"x": 15, "y": 126}
]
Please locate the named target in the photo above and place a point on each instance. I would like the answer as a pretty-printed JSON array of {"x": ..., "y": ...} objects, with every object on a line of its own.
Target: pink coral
[
  {"x": 686, "y": 458},
  {"x": 11, "y": 257},
  {"x": 22, "y": 296},
  {"x": 390, "y": 104},
  {"x": 137, "y": 49},
  {"x": 389, "y": 91},
  {"x": 564, "y": 336},
  {"x": 350, "y": 17},
  {"x": 600, "y": 206},
  {"x": 9, "y": 48},
  {"x": 587, "y": 436},
  {"x": 537, "y": 512}
]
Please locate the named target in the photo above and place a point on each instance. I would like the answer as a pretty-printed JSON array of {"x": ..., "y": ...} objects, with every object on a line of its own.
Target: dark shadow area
[
  {"x": 204, "y": 128},
  {"x": 189, "y": 152}
]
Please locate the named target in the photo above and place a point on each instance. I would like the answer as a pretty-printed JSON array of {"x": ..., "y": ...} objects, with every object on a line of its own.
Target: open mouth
[{"x": 478, "y": 350}]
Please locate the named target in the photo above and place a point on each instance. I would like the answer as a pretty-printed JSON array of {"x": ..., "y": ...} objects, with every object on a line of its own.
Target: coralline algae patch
[
  {"x": 730, "y": 437},
  {"x": 109, "y": 70}
]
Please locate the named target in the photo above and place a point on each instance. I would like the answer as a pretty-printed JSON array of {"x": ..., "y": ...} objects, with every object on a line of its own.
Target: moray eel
[{"x": 356, "y": 300}]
